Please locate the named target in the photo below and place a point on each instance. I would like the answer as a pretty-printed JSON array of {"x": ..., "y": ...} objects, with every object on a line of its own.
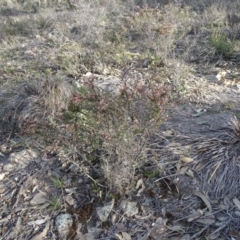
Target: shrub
[
  {"x": 116, "y": 126},
  {"x": 222, "y": 44}
]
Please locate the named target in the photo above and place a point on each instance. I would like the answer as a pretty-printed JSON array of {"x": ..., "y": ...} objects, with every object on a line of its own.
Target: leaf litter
[
  {"x": 197, "y": 188},
  {"x": 196, "y": 194}
]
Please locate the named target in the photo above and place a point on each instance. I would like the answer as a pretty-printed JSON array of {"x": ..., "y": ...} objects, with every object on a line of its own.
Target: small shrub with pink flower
[{"x": 117, "y": 127}]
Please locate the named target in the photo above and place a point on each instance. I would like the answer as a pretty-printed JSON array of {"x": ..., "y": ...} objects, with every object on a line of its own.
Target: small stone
[
  {"x": 88, "y": 74},
  {"x": 2, "y": 175},
  {"x": 63, "y": 223},
  {"x": 212, "y": 78}
]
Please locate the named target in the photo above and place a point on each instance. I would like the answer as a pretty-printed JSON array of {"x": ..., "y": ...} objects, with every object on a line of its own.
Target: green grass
[
  {"x": 57, "y": 182},
  {"x": 223, "y": 45},
  {"x": 55, "y": 203}
]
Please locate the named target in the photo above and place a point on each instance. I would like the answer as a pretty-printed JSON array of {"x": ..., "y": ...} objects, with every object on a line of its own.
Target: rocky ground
[{"x": 189, "y": 188}]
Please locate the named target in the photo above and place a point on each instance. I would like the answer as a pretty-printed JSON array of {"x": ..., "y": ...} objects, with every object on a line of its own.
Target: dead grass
[
  {"x": 43, "y": 54},
  {"x": 75, "y": 44},
  {"x": 44, "y": 98}
]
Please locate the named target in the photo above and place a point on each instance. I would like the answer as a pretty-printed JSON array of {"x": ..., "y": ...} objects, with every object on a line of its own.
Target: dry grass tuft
[
  {"x": 236, "y": 126},
  {"x": 44, "y": 99},
  {"x": 121, "y": 160},
  {"x": 218, "y": 162},
  {"x": 215, "y": 160}
]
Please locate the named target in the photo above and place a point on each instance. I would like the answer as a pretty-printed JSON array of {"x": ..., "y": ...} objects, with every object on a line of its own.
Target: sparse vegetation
[
  {"x": 55, "y": 204},
  {"x": 57, "y": 182},
  {"x": 222, "y": 44},
  {"x": 90, "y": 82}
]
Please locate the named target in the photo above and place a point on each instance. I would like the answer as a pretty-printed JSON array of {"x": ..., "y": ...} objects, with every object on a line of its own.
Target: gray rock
[
  {"x": 211, "y": 78},
  {"x": 109, "y": 84},
  {"x": 63, "y": 223}
]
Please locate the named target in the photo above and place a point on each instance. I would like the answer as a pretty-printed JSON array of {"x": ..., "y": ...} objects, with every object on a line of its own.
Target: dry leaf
[
  {"x": 16, "y": 230},
  {"x": 2, "y": 175},
  {"x": 129, "y": 208},
  {"x": 39, "y": 198},
  {"x": 186, "y": 237},
  {"x": 2, "y": 155},
  {"x": 178, "y": 166},
  {"x": 176, "y": 228},
  {"x": 237, "y": 203},
  {"x": 205, "y": 199},
  {"x": 190, "y": 173},
  {"x": 209, "y": 215},
  {"x": 234, "y": 233},
  {"x": 37, "y": 222},
  {"x": 206, "y": 221},
  {"x": 199, "y": 167},
  {"x": 144, "y": 217},
  {"x": 215, "y": 170},
  {"x": 140, "y": 183},
  {"x": 43, "y": 234},
  {"x": 18, "y": 226},
  {"x": 123, "y": 236},
  {"x": 183, "y": 170},
  {"x": 103, "y": 212},
  {"x": 223, "y": 207},
  {"x": 186, "y": 159},
  {"x": 174, "y": 144},
  {"x": 159, "y": 228},
  {"x": 194, "y": 216}
]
